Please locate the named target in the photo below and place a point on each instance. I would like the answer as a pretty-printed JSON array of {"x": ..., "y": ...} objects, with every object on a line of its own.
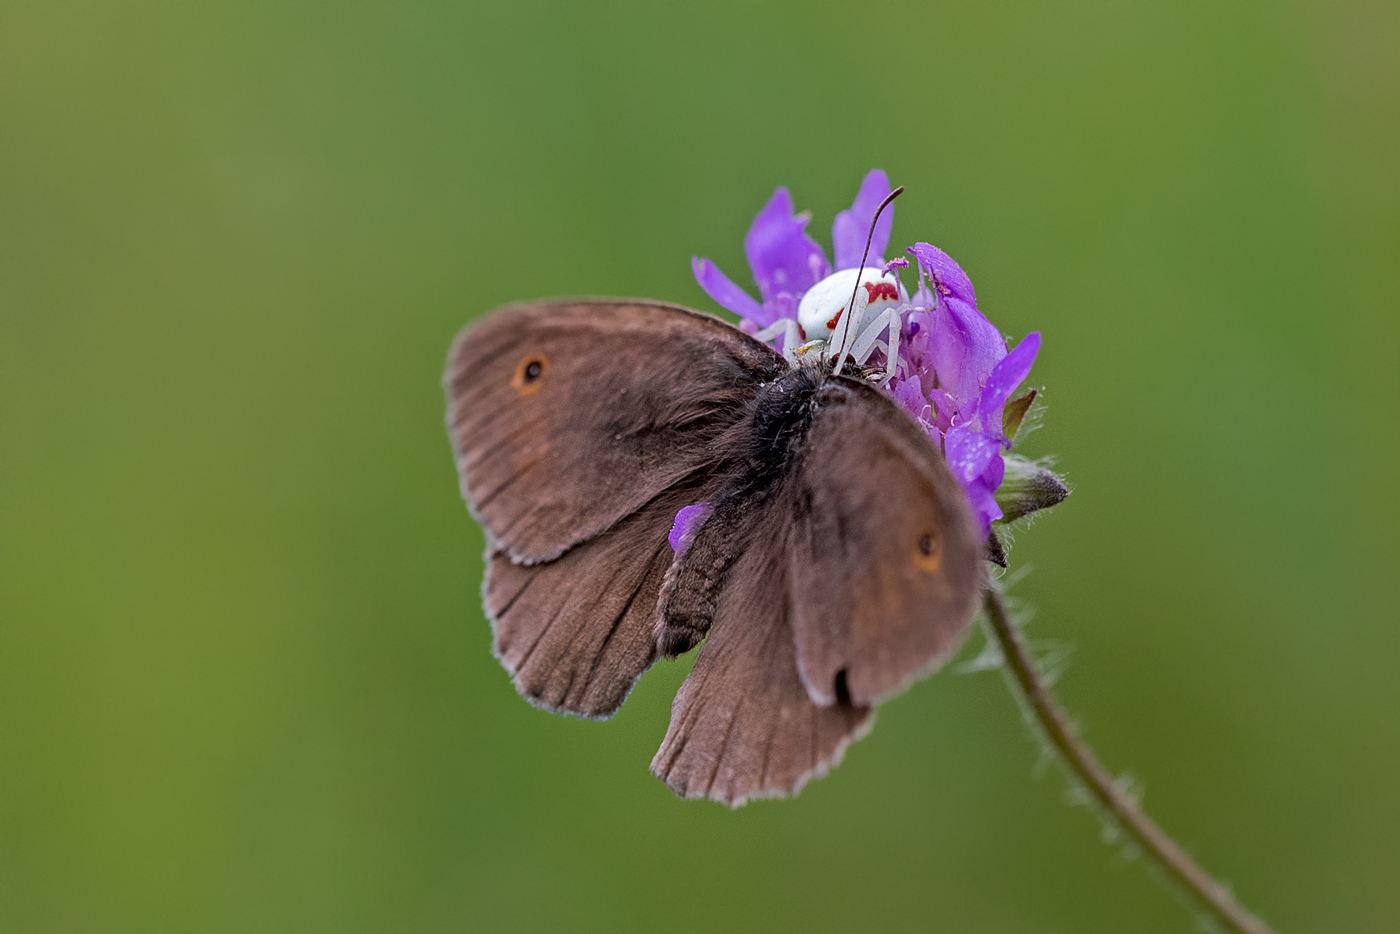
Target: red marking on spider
[
  {"x": 831, "y": 323},
  {"x": 881, "y": 290}
]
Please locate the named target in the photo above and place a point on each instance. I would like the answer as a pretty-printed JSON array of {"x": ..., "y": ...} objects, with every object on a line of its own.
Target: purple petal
[
  {"x": 948, "y": 277},
  {"x": 983, "y": 503},
  {"x": 914, "y": 347},
  {"x": 995, "y": 473},
  {"x": 729, "y": 296},
  {"x": 852, "y": 226},
  {"x": 910, "y": 395},
  {"x": 981, "y": 492},
  {"x": 1005, "y": 377},
  {"x": 944, "y": 408},
  {"x": 687, "y": 518},
  {"x": 782, "y": 305},
  {"x": 968, "y": 452},
  {"x": 964, "y": 347},
  {"x": 916, "y": 322},
  {"x": 783, "y": 258}
]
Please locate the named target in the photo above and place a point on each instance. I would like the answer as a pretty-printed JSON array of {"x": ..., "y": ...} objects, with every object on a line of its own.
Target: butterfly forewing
[
  {"x": 580, "y": 429},
  {"x": 568, "y": 416}
]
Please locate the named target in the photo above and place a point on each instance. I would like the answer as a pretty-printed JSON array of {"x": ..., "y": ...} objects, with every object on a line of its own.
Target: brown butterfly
[{"x": 837, "y": 562}]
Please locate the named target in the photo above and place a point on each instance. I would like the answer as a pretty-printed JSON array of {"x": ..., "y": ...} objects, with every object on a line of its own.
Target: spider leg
[
  {"x": 884, "y": 346},
  {"x": 851, "y": 326},
  {"x": 792, "y": 337},
  {"x": 892, "y": 348},
  {"x": 870, "y": 339}
]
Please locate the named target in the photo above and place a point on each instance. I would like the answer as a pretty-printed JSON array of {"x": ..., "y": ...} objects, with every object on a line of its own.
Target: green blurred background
[{"x": 245, "y": 683}]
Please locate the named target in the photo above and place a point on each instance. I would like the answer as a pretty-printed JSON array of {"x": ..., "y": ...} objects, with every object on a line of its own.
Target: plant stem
[{"x": 1085, "y": 766}]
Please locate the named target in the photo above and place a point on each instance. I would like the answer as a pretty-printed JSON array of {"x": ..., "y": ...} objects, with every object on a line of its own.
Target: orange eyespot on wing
[
  {"x": 526, "y": 378},
  {"x": 928, "y": 555}
]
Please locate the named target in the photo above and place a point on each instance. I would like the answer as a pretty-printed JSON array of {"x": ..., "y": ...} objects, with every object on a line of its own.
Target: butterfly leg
[{"x": 792, "y": 336}]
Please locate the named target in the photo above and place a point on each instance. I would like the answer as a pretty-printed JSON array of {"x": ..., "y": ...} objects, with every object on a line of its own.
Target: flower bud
[{"x": 1028, "y": 487}]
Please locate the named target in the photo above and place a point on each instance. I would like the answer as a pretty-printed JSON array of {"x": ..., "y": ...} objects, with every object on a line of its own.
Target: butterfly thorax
[{"x": 780, "y": 415}]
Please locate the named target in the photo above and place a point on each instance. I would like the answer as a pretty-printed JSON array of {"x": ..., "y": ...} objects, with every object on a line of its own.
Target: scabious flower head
[
  {"x": 955, "y": 375},
  {"x": 786, "y": 262}
]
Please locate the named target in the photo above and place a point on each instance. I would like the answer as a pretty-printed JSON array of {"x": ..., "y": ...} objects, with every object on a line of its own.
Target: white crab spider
[{"x": 824, "y": 325}]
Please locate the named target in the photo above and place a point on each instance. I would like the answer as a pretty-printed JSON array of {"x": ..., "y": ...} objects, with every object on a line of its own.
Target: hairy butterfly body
[{"x": 835, "y": 563}]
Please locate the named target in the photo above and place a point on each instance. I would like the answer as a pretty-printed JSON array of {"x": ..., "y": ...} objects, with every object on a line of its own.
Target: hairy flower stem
[{"x": 1086, "y": 767}]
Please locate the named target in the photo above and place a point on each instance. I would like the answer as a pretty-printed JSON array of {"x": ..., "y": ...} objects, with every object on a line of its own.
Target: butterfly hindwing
[
  {"x": 822, "y": 594},
  {"x": 577, "y": 632},
  {"x": 742, "y": 724},
  {"x": 885, "y": 557}
]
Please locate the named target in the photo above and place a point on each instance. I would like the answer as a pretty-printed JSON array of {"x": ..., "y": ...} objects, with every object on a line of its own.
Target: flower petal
[
  {"x": 995, "y": 473},
  {"x": 782, "y": 305},
  {"x": 968, "y": 452},
  {"x": 687, "y": 518},
  {"x": 984, "y": 504},
  {"x": 915, "y": 334},
  {"x": 948, "y": 277},
  {"x": 910, "y": 396},
  {"x": 981, "y": 491},
  {"x": 852, "y": 226},
  {"x": 944, "y": 408},
  {"x": 964, "y": 347},
  {"x": 729, "y": 296},
  {"x": 783, "y": 258},
  {"x": 1004, "y": 378}
]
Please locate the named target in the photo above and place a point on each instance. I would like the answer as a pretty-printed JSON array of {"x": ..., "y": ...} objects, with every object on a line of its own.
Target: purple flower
[
  {"x": 954, "y": 373},
  {"x": 959, "y": 359},
  {"x": 786, "y": 262}
]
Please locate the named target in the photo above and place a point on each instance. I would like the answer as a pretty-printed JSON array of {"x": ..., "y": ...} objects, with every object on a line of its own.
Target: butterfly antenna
[{"x": 850, "y": 309}]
